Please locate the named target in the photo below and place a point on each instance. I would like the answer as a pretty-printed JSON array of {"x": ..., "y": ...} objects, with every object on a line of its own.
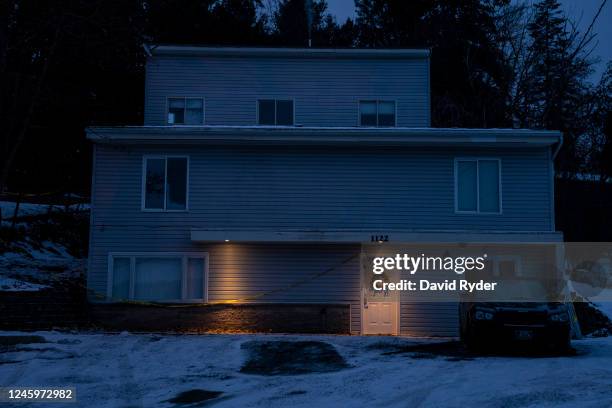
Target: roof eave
[
  {"x": 182, "y": 50},
  {"x": 322, "y": 136}
]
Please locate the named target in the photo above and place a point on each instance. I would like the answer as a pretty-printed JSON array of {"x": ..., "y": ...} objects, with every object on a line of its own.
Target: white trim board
[
  {"x": 365, "y": 236},
  {"x": 309, "y": 135}
]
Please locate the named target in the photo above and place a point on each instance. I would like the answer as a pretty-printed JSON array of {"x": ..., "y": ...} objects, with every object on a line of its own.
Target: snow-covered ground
[
  {"x": 16, "y": 285},
  {"x": 29, "y": 209},
  {"x": 29, "y": 263},
  {"x": 146, "y": 370},
  {"x": 31, "y": 267}
]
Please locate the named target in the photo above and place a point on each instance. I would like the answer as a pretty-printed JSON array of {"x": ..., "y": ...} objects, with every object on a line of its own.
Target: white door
[{"x": 380, "y": 318}]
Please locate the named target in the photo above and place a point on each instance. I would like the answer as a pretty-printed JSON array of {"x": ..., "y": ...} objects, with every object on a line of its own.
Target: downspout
[{"x": 575, "y": 331}]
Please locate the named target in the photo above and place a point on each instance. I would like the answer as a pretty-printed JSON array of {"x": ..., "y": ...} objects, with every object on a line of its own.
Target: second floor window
[
  {"x": 165, "y": 183},
  {"x": 477, "y": 185},
  {"x": 377, "y": 113},
  {"x": 275, "y": 112},
  {"x": 185, "y": 111}
]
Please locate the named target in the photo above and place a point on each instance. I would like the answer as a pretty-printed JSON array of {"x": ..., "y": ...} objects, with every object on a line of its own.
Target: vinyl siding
[
  {"x": 429, "y": 319},
  {"x": 311, "y": 188},
  {"x": 327, "y": 188},
  {"x": 325, "y": 91}
]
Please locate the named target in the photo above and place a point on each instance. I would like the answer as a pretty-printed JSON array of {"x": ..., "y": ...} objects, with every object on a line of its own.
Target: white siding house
[{"x": 258, "y": 173}]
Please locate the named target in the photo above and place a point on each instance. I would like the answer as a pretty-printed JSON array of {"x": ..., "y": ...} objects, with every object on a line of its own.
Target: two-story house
[{"x": 259, "y": 173}]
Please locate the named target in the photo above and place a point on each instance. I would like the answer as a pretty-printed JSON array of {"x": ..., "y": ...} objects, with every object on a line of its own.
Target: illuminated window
[{"x": 158, "y": 277}]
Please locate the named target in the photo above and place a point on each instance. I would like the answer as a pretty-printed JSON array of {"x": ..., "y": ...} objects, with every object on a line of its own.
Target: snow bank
[
  {"x": 144, "y": 370},
  {"x": 29, "y": 209},
  {"x": 14, "y": 285}
]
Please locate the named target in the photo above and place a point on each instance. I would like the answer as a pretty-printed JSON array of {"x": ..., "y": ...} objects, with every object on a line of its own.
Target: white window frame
[
  {"x": 377, "y": 102},
  {"x": 185, "y": 104},
  {"x": 275, "y": 101},
  {"x": 184, "y": 261},
  {"x": 456, "y": 175},
  {"x": 144, "y": 182}
]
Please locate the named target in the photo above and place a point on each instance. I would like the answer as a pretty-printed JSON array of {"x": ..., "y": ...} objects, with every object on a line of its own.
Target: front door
[{"x": 380, "y": 318}]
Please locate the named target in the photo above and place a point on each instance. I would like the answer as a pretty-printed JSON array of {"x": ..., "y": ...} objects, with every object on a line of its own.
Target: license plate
[{"x": 523, "y": 334}]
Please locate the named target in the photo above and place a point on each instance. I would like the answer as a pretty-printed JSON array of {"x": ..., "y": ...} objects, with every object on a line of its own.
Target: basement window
[{"x": 165, "y": 277}]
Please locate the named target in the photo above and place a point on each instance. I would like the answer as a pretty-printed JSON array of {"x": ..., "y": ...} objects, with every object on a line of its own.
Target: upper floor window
[
  {"x": 376, "y": 113},
  {"x": 477, "y": 186},
  {"x": 185, "y": 111},
  {"x": 165, "y": 183},
  {"x": 275, "y": 112}
]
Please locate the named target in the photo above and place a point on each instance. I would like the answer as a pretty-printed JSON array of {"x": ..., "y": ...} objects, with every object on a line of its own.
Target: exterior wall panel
[
  {"x": 325, "y": 91},
  {"x": 310, "y": 188}
]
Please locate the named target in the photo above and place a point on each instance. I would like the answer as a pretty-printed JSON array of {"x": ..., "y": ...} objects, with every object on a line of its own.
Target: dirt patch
[
  {"x": 194, "y": 396},
  {"x": 296, "y": 392},
  {"x": 16, "y": 340},
  {"x": 291, "y": 357}
]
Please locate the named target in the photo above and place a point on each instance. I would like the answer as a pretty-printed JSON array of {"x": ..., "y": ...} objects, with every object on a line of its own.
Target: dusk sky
[{"x": 583, "y": 10}]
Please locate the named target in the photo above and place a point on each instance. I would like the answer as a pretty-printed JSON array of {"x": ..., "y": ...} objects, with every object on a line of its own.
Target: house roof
[
  {"x": 361, "y": 53},
  {"x": 317, "y": 135}
]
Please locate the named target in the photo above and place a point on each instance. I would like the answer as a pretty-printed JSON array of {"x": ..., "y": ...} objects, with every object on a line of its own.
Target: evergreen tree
[
  {"x": 291, "y": 25},
  {"x": 212, "y": 22},
  {"x": 468, "y": 73},
  {"x": 556, "y": 85}
]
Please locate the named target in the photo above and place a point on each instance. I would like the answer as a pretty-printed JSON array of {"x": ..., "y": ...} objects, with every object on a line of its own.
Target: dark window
[
  {"x": 275, "y": 112},
  {"x": 284, "y": 113},
  {"x": 266, "y": 110},
  {"x": 176, "y": 111},
  {"x": 194, "y": 112},
  {"x": 478, "y": 187},
  {"x": 377, "y": 113},
  {"x": 386, "y": 113},
  {"x": 156, "y": 178},
  {"x": 367, "y": 111},
  {"x": 467, "y": 192},
  {"x": 488, "y": 185},
  {"x": 176, "y": 187},
  {"x": 185, "y": 111},
  {"x": 166, "y": 183}
]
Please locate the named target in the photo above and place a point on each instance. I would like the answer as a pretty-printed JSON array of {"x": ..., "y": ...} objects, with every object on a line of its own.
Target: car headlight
[
  {"x": 559, "y": 317},
  {"x": 483, "y": 315}
]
